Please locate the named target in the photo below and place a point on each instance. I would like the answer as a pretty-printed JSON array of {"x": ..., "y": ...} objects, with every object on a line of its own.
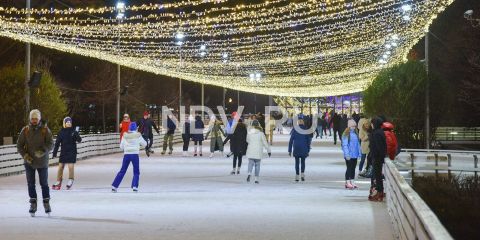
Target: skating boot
[
  {"x": 303, "y": 177},
  {"x": 232, "y": 172},
  {"x": 195, "y": 151},
  {"x": 354, "y": 186},
  {"x": 114, "y": 189},
  {"x": 135, "y": 189},
  {"x": 170, "y": 152},
  {"x": 57, "y": 185},
  {"x": 248, "y": 178},
  {"x": 256, "y": 180},
  {"x": 33, "y": 207},
  {"x": 163, "y": 152},
  {"x": 69, "y": 184},
  {"x": 211, "y": 155},
  {"x": 46, "y": 206},
  {"x": 297, "y": 178},
  {"x": 349, "y": 186},
  {"x": 147, "y": 152},
  {"x": 238, "y": 171}
]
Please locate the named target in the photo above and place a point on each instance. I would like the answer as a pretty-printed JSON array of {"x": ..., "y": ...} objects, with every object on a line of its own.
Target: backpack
[{"x": 391, "y": 139}]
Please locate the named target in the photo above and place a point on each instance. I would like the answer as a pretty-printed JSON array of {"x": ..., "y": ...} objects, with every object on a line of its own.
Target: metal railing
[{"x": 446, "y": 135}]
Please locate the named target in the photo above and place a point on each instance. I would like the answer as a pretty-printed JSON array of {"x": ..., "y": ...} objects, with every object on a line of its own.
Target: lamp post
[
  {"x": 27, "y": 68},
  {"x": 120, "y": 7},
  {"x": 179, "y": 36}
]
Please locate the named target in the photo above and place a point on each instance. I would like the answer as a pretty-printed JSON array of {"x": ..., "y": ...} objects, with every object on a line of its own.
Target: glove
[
  {"x": 290, "y": 154},
  {"x": 28, "y": 158},
  {"x": 269, "y": 154}
]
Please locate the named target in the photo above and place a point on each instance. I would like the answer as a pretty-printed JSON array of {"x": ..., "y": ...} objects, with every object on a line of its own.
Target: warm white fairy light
[{"x": 302, "y": 48}]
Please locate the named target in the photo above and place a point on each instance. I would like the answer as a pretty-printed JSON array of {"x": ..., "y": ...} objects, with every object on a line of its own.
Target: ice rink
[{"x": 197, "y": 198}]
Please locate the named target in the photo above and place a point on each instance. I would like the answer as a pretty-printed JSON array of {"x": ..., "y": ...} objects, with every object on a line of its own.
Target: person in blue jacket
[
  {"x": 351, "y": 152},
  {"x": 300, "y": 144},
  {"x": 67, "y": 140}
]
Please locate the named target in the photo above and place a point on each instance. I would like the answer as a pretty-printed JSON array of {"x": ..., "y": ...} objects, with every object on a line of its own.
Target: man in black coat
[
  {"x": 145, "y": 128},
  {"x": 336, "y": 120},
  {"x": 378, "y": 149}
]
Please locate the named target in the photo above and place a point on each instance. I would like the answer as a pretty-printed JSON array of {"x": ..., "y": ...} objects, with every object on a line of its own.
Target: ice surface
[{"x": 197, "y": 198}]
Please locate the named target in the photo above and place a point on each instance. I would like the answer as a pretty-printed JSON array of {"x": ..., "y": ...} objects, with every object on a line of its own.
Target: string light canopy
[{"x": 297, "y": 48}]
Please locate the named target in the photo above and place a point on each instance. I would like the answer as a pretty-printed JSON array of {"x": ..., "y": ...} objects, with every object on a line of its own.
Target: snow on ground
[{"x": 197, "y": 198}]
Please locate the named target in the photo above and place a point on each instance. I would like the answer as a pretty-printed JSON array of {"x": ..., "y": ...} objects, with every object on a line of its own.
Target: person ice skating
[
  {"x": 256, "y": 141},
  {"x": 67, "y": 139},
  {"x": 364, "y": 131},
  {"x": 216, "y": 142},
  {"x": 168, "y": 138},
  {"x": 197, "y": 135},
  {"x": 351, "y": 152},
  {"x": 124, "y": 125},
  {"x": 130, "y": 144},
  {"x": 271, "y": 126},
  {"x": 186, "y": 136},
  {"x": 145, "y": 128},
  {"x": 229, "y": 129},
  {"x": 378, "y": 149},
  {"x": 300, "y": 144},
  {"x": 238, "y": 145},
  {"x": 336, "y": 121},
  {"x": 34, "y": 143}
]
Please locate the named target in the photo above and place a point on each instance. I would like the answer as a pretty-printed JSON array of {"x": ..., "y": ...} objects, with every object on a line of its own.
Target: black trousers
[
  {"x": 335, "y": 133},
  {"x": 298, "y": 161},
  {"x": 377, "y": 179},
  {"x": 351, "y": 165},
  {"x": 42, "y": 177},
  {"x": 149, "y": 140},
  {"x": 235, "y": 157},
  {"x": 186, "y": 142}
]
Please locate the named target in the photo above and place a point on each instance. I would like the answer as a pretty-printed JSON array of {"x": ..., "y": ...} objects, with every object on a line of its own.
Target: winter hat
[
  {"x": 132, "y": 127},
  {"x": 35, "y": 113},
  {"x": 255, "y": 123},
  {"x": 145, "y": 113},
  {"x": 352, "y": 123},
  {"x": 65, "y": 120}
]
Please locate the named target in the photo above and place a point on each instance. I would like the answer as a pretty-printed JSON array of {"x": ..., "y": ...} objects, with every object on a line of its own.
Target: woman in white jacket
[
  {"x": 256, "y": 143},
  {"x": 130, "y": 144}
]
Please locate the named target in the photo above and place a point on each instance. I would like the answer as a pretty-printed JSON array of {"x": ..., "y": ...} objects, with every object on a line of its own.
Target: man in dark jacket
[
  {"x": 336, "y": 120},
  {"x": 34, "y": 144},
  {"x": 378, "y": 149},
  {"x": 145, "y": 128},
  {"x": 168, "y": 138}
]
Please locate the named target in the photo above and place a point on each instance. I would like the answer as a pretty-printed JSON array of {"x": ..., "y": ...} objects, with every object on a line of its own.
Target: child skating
[
  {"x": 256, "y": 143},
  {"x": 130, "y": 144}
]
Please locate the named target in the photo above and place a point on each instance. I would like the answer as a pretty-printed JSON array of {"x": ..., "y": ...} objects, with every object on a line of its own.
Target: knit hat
[
  {"x": 255, "y": 123},
  {"x": 35, "y": 113},
  {"x": 65, "y": 120},
  {"x": 132, "y": 127},
  {"x": 352, "y": 123},
  {"x": 145, "y": 113}
]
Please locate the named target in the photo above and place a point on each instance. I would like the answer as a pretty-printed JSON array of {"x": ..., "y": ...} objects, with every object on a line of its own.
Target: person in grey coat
[{"x": 34, "y": 144}]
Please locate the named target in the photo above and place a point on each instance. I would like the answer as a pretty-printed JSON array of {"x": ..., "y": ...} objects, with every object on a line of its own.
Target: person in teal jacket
[{"x": 351, "y": 152}]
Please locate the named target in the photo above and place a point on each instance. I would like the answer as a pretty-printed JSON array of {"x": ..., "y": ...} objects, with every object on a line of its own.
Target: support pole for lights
[
  {"x": 238, "y": 99},
  {"x": 427, "y": 97},
  {"x": 27, "y": 68},
  {"x": 203, "y": 101}
]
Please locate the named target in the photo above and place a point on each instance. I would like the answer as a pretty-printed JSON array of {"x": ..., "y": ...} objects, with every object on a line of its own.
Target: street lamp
[
  {"x": 179, "y": 36},
  {"x": 469, "y": 16},
  {"x": 120, "y": 7}
]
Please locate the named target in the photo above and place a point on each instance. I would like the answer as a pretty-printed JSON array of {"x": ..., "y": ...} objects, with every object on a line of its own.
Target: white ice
[{"x": 197, "y": 198}]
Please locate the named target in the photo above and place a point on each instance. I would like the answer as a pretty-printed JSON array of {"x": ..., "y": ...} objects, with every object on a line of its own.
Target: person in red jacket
[
  {"x": 124, "y": 125},
  {"x": 391, "y": 139}
]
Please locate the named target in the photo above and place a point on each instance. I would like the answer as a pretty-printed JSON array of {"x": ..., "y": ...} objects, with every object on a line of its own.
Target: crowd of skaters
[{"x": 370, "y": 140}]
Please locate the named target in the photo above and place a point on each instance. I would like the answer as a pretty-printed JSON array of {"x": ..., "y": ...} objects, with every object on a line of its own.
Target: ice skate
[
  {"x": 248, "y": 178},
  {"x": 57, "y": 185},
  {"x": 256, "y": 180},
  {"x": 354, "y": 186},
  {"x": 69, "y": 184},
  {"x": 46, "y": 206},
  {"x": 232, "y": 172},
  {"x": 114, "y": 189},
  {"x": 303, "y": 177},
  {"x": 33, "y": 207},
  {"x": 163, "y": 152},
  {"x": 147, "y": 152},
  {"x": 211, "y": 155},
  {"x": 170, "y": 152},
  {"x": 297, "y": 178},
  {"x": 349, "y": 186},
  {"x": 238, "y": 171},
  {"x": 135, "y": 189}
]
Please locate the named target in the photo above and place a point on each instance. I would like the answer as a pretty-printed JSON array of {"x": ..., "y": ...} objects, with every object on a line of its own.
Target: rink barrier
[
  {"x": 410, "y": 215},
  {"x": 92, "y": 145}
]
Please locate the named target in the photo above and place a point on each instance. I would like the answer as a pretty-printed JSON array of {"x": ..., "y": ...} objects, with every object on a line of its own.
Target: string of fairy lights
[{"x": 308, "y": 48}]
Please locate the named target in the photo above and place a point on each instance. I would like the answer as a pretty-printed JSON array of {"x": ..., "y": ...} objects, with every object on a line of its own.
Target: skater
[
  {"x": 168, "y": 138},
  {"x": 197, "y": 135},
  {"x": 186, "y": 136},
  {"x": 300, "y": 144},
  {"x": 256, "y": 141},
  {"x": 124, "y": 125},
  {"x": 67, "y": 138},
  {"x": 271, "y": 125},
  {"x": 365, "y": 130},
  {"x": 238, "y": 145},
  {"x": 378, "y": 150},
  {"x": 216, "y": 142},
  {"x": 351, "y": 152},
  {"x": 229, "y": 129},
  {"x": 145, "y": 128},
  {"x": 131, "y": 142},
  {"x": 336, "y": 121},
  {"x": 34, "y": 143}
]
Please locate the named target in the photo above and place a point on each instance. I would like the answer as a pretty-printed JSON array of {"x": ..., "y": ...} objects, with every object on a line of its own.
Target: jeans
[
  {"x": 351, "y": 165},
  {"x": 186, "y": 142},
  {"x": 168, "y": 139},
  {"x": 297, "y": 164},
  {"x": 251, "y": 163},
  {"x": 147, "y": 139},
  {"x": 235, "y": 157},
  {"x": 320, "y": 131},
  {"x": 127, "y": 158},
  {"x": 42, "y": 177},
  {"x": 362, "y": 161}
]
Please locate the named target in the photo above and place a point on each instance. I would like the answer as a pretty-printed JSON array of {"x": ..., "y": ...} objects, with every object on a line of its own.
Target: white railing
[
  {"x": 411, "y": 217},
  {"x": 92, "y": 145}
]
